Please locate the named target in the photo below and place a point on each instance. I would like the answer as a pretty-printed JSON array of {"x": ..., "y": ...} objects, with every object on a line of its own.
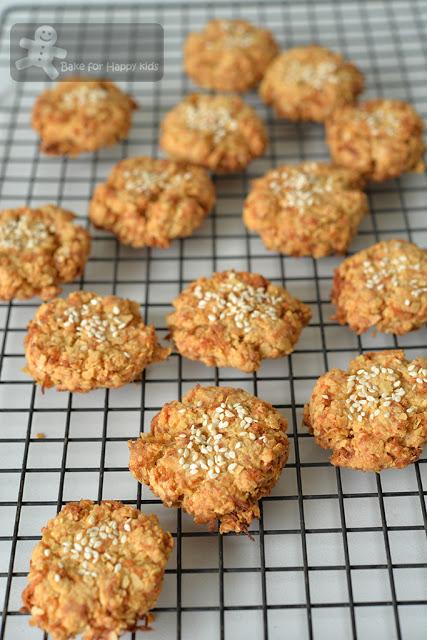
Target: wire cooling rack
[{"x": 336, "y": 554}]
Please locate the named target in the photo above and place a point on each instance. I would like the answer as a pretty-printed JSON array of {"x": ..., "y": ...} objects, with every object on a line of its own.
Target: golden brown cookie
[
  {"x": 374, "y": 416},
  {"x": 221, "y": 133},
  {"x": 39, "y": 250},
  {"x": 148, "y": 202},
  {"x": 381, "y": 139},
  {"x": 308, "y": 209},
  {"x": 97, "y": 570},
  {"x": 215, "y": 454},
  {"x": 88, "y": 341},
  {"x": 229, "y": 55},
  {"x": 80, "y": 115},
  {"x": 308, "y": 83},
  {"x": 236, "y": 319},
  {"x": 384, "y": 286}
]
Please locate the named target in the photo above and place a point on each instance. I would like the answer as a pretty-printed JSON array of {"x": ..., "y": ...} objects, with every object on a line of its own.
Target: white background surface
[{"x": 387, "y": 41}]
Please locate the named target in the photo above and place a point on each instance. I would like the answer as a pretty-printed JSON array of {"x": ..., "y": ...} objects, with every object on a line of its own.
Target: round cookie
[
  {"x": 384, "y": 286},
  {"x": 88, "y": 341},
  {"x": 97, "y": 570},
  {"x": 80, "y": 115},
  {"x": 374, "y": 416},
  {"x": 39, "y": 249},
  {"x": 308, "y": 209},
  {"x": 381, "y": 139},
  {"x": 215, "y": 454},
  {"x": 148, "y": 202},
  {"x": 308, "y": 83},
  {"x": 236, "y": 319},
  {"x": 221, "y": 133},
  {"x": 229, "y": 55}
]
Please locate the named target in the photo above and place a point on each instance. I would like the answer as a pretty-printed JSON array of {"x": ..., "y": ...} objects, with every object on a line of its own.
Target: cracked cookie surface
[
  {"x": 97, "y": 571},
  {"x": 374, "y": 416},
  {"x": 87, "y": 341},
  {"x": 381, "y": 139},
  {"x": 236, "y": 319},
  {"x": 215, "y": 454},
  {"x": 39, "y": 250},
  {"x": 308, "y": 83},
  {"x": 384, "y": 286},
  {"x": 229, "y": 55},
  {"x": 220, "y": 132},
  {"x": 307, "y": 209},
  {"x": 79, "y": 116},
  {"x": 149, "y": 202}
]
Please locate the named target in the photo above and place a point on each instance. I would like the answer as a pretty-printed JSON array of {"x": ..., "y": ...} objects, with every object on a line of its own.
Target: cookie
[
  {"x": 381, "y": 139},
  {"x": 97, "y": 571},
  {"x": 229, "y": 55},
  {"x": 308, "y": 83},
  {"x": 308, "y": 209},
  {"x": 80, "y": 115},
  {"x": 374, "y": 416},
  {"x": 236, "y": 319},
  {"x": 39, "y": 250},
  {"x": 215, "y": 454},
  {"x": 221, "y": 133},
  {"x": 148, "y": 202},
  {"x": 384, "y": 286},
  {"x": 88, "y": 342}
]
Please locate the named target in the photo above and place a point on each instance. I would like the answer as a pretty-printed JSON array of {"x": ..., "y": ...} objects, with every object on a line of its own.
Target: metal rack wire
[{"x": 336, "y": 554}]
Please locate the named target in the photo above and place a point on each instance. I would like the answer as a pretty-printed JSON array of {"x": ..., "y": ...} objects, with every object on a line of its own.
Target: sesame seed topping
[
  {"x": 301, "y": 187},
  {"x": 395, "y": 271},
  {"x": 315, "y": 75},
  {"x": 84, "y": 95},
  {"x": 142, "y": 180},
  {"x": 379, "y": 121},
  {"x": 373, "y": 392},
  {"x": 91, "y": 547},
  {"x": 213, "y": 120},
  {"x": 238, "y": 301},
  {"x": 23, "y": 233},
  {"x": 209, "y": 449},
  {"x": 90, "y": 323},
  {"x": 233, "y": 36}
]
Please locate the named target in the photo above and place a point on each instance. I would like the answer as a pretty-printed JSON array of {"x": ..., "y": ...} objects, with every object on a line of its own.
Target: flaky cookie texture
[
  {"x": 229, "y": 55},
  {"x": 307, "y": 209},
  {"x": 236, "y": 319},
  {"x": 87, "y": 341},
  {"x": 374, "y": 416},
  {"x": 308, "y": 83},
  {"x": 80, "y": 115},
  {"x": 221, "y": 133},
  {"x": 96, "y": 572},
  {"x": 380, "y": 138},
  {"x": 384, "y": 286},
  {"x": 149, "y": 202},
  {"x": 215, "y": 454},
  {"x": 39, "y": 250}
]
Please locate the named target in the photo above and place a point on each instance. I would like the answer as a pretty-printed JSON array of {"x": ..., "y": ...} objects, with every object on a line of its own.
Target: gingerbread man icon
[{"x": 41, "y": 51}]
